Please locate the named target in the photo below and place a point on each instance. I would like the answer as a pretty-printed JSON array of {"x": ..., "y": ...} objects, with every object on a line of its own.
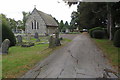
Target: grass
[
  {"x": 110, "y": 51},
  {"x": 0, "y": 67},
  {"x": 71, "y": 33},
  {"x": 20, "y": 60}
]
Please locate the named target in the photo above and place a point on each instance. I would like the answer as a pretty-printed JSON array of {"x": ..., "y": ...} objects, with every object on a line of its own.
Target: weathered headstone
[
  {"x": 5, "y": 46},
  {"x": 36, "y": 36},
  {"x": 19, "y": 39},
  {"x": 57, "y": 40},
  {"x": 28, "y": 36},
  {"x": 51, "y": 42}
]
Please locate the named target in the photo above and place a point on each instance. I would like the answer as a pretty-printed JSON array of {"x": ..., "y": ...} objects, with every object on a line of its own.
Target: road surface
[{"x": 78, "y": 59}]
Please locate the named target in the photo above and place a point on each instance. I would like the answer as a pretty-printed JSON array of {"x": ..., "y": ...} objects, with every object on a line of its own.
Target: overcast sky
[{"x": 57, "y": 8}]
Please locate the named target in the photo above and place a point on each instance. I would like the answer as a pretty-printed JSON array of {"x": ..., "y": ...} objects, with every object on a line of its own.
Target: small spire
[{"x": 34, "y": 6}]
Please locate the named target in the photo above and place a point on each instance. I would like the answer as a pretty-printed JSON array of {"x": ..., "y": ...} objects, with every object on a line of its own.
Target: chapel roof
[{"x": 48, "y": 19}]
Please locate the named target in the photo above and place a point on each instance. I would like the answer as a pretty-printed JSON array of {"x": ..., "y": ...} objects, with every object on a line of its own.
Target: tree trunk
[
  {"x": 110, "y": 21},
  {"x": 110, "y": 33}
]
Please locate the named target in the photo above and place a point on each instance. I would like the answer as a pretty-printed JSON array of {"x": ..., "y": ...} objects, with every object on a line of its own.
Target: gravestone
[
  {"x": 57, "y": 40},
  {"x": 36, "y": 36},
  {"x": 19, "y": 39},
  {"x": 28, "y": 36},
  {"x": 5, "y": 46},
  {"x": 51, "y": 42}
]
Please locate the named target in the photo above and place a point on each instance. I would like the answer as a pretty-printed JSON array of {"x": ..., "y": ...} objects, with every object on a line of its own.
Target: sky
[{"x": 57, "y": 8}]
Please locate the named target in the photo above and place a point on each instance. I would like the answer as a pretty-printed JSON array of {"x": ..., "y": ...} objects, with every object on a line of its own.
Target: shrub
[
  {"x": 91, "y": 30},
  {"x": 99, "y": 34},
  {"x": 114, "y": 30},
  {"x": 116, "y": 39},
  {"x": 7, "y": 33}
]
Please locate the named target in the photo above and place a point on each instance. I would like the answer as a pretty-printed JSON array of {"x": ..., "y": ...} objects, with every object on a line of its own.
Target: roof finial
[{"x": 34, "y": 6}]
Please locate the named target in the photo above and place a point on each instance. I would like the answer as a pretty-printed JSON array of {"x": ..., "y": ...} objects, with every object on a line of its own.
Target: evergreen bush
[
  {"x": 99, "y": 34},
  {"x": 91, "y": 30},
  {"x": 7, "y": 33},
  {"x": 116, "y": 39}
]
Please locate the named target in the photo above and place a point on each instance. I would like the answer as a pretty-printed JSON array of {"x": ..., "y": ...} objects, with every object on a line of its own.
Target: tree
[
  {"x": 7, "y": 32},
  {"x": 74, "y": 21},
  {"x": 25, "y": 17},
  {"x": 66, "y": 25},
  {"x": 61, "y": 25},
  {"x": 13, "y": 24},
  {"x": 20, "y": 24},
  {"x": 113, "y": 10},
  {"x": 105, "y": 15}
]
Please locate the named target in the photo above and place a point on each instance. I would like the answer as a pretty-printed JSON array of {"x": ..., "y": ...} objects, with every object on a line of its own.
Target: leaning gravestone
[
  {"x": 19, "y": 38},
  {"x": 51, "y": 42},
  {"x": 5, "y": 46},
  {"x": 36, "y": 36}
]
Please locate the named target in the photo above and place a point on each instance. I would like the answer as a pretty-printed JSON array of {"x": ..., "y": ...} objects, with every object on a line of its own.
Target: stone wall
[
  {"x": 51, "y": 30},
  {"x": 35, "y": 16}
]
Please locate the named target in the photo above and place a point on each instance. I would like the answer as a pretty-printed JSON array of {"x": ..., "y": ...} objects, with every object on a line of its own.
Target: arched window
[
  {"x": 37, "y": 25},
  {"x": 32, "y": 25}
]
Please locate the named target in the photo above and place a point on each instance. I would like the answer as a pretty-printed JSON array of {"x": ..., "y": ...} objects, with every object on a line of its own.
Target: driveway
[{"x": 78, "y": 59}]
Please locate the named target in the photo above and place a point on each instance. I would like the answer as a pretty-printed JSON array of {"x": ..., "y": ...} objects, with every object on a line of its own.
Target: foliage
[
  {"x": 61, "y": 25},
  {"x": 91, "y": 14},
  {"x": 25, "y": 17},
  {"x": 99, "y": 34},
  {"x": 104, "y": 14},
  {"x": 6, "y": 32},
  {"x": 114, "y": 30},
  {"x": 117, "y": 38},
  {"x": 74, "y": 21},
  {"x": 91, "y": 30}
]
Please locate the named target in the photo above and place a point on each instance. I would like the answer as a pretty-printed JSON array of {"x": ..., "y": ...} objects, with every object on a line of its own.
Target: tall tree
[
  {"x": 13, "y": 23},
  {"x": 25, "y": 17},
  {"x": 66, "y": 25},
  {"x": 61, "y": 25},
  {"x": 74, "y": 21}
]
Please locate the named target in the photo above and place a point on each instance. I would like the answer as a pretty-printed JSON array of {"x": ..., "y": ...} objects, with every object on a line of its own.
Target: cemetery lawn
[
  {"x": 20, "y": 60},
  {"x": 110, "y": 51}
]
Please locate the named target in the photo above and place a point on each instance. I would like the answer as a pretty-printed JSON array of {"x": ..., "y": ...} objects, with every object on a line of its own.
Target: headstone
[
  {"x": 5, "y": 46},
  {"x": 51, "y": 42},
  {"x": 28, "y": 37},
  {"x": 36, "y": 36},
  {"x": 19, "y": 38},
  {"x": 57, "y": 40}
]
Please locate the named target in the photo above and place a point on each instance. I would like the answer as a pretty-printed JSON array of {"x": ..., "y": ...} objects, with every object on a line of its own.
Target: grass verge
[{"x": 110, "y": 51}]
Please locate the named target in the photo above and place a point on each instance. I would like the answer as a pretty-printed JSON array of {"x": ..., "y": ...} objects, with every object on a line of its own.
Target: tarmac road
[{"x": 78, "y": 59}]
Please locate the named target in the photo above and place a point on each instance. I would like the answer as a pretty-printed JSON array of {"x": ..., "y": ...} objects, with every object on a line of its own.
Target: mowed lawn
[
  {"x": 20, "y": 60},
  {"x": 110, "y": 51}
]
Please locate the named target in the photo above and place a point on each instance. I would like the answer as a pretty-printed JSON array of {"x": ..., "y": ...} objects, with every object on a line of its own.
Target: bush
[
  {"x": 7, "y": 33},
  {"x": 91, "y": 30},
  {"x": 114, "y": 30},
  {"x": 116, "y": 39},
  {"x": 99, "y": 34}
]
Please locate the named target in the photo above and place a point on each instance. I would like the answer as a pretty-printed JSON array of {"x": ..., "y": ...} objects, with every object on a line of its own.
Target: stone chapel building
[{"x": 41, "y": 23}]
